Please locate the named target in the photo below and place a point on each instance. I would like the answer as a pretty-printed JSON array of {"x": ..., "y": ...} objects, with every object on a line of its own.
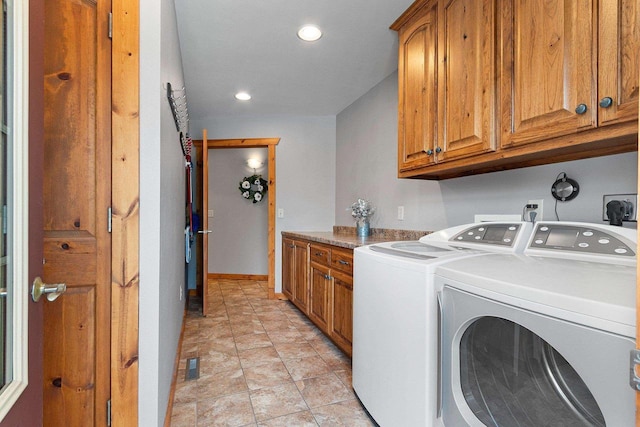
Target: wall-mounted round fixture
[
  {"x": 254, "y": 163},
  {"x": 309, "y": 33},
  {"x": 564, "y": 188},
  {"x": 242, "y": 96}
]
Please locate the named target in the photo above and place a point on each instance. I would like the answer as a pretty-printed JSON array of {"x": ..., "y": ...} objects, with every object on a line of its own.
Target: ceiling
[{"x": 251, "y": 45}]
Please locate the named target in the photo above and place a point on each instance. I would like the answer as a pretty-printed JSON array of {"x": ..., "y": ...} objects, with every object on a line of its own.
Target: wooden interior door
[
  {"x": 205, "y": 222},
  {"x": 76, "y": 200}
]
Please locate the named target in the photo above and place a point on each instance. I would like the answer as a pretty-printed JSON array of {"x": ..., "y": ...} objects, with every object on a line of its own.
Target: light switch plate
[{"x": 210, "y": 213}]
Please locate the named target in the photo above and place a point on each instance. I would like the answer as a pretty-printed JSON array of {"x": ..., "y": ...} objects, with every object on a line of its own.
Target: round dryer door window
[{"x": 512, "y": 377}]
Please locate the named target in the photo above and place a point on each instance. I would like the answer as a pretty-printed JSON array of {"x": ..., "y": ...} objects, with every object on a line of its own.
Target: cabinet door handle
[
  {"x": 326, "y": 276},
  {"x": 292, "y": 246},
  {"x": 318, "y": 254},
  {"x": 438, "y": 150},
  {"x": 343, "y": 262},
  {"x": 606, "y": 102},
  {"x": 429, "y": 152},
  {"x": 581, "y": 108}
]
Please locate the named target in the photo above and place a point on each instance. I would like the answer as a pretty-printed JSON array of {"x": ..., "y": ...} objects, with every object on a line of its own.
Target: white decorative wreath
[{"x": 253, "y": 188}]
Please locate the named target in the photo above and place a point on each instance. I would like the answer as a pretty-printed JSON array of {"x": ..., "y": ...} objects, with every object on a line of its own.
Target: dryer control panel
[
  {"x": 492, "y": 234},
  {"x": 580, "y": 239}
]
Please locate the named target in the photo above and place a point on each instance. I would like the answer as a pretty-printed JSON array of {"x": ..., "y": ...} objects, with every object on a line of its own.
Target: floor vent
[{"x": 193, "y": 369}]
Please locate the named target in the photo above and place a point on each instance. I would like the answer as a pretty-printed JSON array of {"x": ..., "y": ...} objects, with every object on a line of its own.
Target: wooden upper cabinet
[
  {"x": 547, "y": 68},
  {"x": 618, "y": 59},
  {"x": 466, "y": 78},
  {"x": 446, "y": 74},
  {"x": 417, "y": 97}
]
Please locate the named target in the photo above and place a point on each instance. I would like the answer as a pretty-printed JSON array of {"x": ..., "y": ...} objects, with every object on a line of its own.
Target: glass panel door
[
  {"x": 14, "y": 196},
  {"x": 512, "y": 377},
  {"x": 5, "y": 375}
]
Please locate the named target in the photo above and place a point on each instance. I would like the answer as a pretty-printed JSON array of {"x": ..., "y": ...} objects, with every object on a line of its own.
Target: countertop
[{"x": 345, "y": 237}]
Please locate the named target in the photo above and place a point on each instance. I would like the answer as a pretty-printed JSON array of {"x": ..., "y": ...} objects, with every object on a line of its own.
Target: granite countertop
[{"x": 346, "y": 237}]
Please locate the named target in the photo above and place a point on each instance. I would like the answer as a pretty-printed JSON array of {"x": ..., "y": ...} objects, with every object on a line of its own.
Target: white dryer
[
  {"x": 542, "y": 338},
  {"x": 395, "y": 319}
]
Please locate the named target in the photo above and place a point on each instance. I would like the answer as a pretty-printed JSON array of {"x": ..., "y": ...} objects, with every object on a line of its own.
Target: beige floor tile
[
  {"x": 323, "y": 390},
  {"x": 220, "y": 384},
  {"x": 258, "y": 356},
  {"x": 217, "y": 361},
  {"x": 347, "y": 414},
  {"x": 250, "y": 379},
  {"x": 277, "y": 325},
  {"x": 186, "y": 392},
  {"x": 290, "y": 335},
  {"x": 337, "y": 362},
  {"x": 223, "y": 345},
  {"x": 299, "y": 419},
  {"x": 266, "y": 375},
  {"x": 272, "y": 402},
  {"x": 306, "y": 367},
  {"x": 249, "y": 341},
  {"x": 294, "y": 350},
  {"x": 245, "y": 328},
  {"x": 346, "y": 378},
  {"x": 230, "y": 410},
  {"x": 184, "y": 415}
]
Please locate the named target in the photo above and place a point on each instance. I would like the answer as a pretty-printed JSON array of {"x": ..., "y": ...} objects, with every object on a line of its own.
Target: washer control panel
[
  {"x": 491, "y": 234},
  {"x": 579, "y": 239}
]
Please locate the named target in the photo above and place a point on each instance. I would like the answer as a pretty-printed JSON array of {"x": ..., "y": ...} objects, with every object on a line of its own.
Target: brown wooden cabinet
[
  {"x": 320, "y": 303},
  {"x": 295, "y": 271},
  {"x": 445, "y": 74},
  {"x": 327, "y": 284},
  {"x": 498, "y": 84}
]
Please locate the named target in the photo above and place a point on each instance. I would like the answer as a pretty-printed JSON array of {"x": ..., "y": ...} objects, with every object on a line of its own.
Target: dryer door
[{"x": 505, "y": 366}]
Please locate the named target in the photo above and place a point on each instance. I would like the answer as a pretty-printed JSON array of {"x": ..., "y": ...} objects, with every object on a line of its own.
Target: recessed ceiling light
[
  {"x": 309, "y": 33},
  {"x": 243, "y": 96}
]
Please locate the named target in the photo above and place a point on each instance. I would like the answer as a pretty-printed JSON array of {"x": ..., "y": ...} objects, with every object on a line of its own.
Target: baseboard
[
  {"x": 176, "y": 365},
  {"x": 229, "y": 276},
  {"x": 280, "y": 296}
]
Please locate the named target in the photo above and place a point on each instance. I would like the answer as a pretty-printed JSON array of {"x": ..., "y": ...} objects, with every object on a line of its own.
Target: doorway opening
[{"x": 202, "y": 146}]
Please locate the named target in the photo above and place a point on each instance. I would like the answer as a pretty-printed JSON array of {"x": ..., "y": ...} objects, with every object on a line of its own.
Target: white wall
[
  {"x": 239, "y": 241},
  {"x": 162, "y": 207},
  {"x": 366, "y": 166},
  {"x": 305, "y": 167}
]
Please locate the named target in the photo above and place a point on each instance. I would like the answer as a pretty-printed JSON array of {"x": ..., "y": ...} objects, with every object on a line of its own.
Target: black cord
[{"x": 555, "y": 208}]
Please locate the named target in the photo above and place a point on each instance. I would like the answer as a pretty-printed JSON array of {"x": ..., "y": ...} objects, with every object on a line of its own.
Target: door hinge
[
  {"x": 634, "y": 362},
  {"x": 109, "y": 412},
  {"x": 109, "y": 217},
  {"x": 110, "y": 25}
]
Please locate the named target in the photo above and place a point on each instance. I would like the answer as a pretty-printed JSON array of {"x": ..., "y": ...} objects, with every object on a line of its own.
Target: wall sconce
[{"x": 254, "y": 164}]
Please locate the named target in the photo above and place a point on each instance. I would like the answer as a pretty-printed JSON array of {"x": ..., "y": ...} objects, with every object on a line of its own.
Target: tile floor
[{"x": 262, "y": 363}]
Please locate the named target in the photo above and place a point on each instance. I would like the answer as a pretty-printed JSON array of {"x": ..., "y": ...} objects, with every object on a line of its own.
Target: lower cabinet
[
  {"x": 320, "y": 287},
  {"x": 324, "y": 292},
  {"x": 342, "y": 313},
  {"x": 295, "y": 272}
]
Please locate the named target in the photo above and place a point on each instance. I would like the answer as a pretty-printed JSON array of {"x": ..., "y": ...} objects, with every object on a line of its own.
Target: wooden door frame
[
  {"x": 270, "y": 144},
  {"x": 125, "y": 206}
]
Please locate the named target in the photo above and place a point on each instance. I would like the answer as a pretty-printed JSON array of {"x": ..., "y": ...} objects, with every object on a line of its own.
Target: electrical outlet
[
  {"x": 630, "y": 198},
  {"x": 401, "y": 213},
  {"x": 181, "y": 292},
  {"x": 538, "y": 210}
]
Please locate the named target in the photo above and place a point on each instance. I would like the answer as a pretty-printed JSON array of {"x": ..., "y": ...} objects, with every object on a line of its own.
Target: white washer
[
  {"x": 395, "y": 320},
  {"x": 541, "y": 338}
]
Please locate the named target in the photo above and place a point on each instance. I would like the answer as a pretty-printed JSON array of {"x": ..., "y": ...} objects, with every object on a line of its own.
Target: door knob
[{"x": 52, "y": 291}]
